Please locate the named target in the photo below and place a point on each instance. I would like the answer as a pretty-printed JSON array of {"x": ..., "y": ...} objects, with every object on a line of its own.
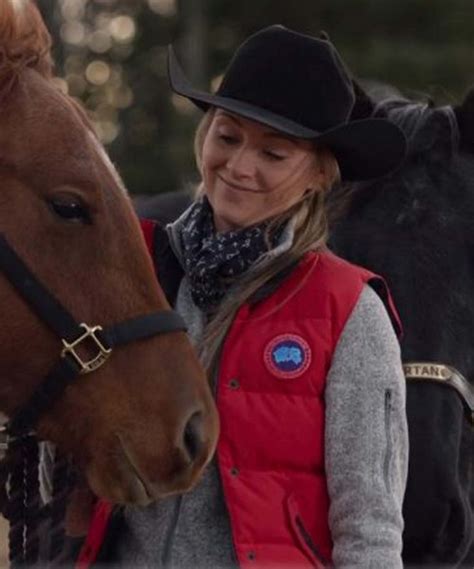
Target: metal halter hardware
[
  {"x": 444, "y": 375},
  {"x": 95, "y": 341},
  {"x": 95, "y": 362}
]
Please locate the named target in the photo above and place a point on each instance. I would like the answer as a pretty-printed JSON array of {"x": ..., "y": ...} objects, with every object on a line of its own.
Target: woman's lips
[{"x": 237, "y": 187}]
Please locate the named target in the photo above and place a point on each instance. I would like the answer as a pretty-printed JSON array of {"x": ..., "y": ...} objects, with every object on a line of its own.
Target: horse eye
[{"x": 70, "y": 209}]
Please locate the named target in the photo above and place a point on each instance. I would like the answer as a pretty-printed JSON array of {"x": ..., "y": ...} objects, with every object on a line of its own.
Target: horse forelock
[{"x": 24, "y": 40}]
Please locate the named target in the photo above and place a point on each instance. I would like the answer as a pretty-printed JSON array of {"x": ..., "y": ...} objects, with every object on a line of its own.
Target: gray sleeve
[{"x": 366, "y": 441}]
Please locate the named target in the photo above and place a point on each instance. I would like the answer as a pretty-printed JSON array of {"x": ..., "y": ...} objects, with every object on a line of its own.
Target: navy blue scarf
[{"x": 213, "y": 261}]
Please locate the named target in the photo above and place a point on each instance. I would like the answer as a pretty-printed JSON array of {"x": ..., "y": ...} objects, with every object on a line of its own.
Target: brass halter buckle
[{"x": 91, "y": 341}]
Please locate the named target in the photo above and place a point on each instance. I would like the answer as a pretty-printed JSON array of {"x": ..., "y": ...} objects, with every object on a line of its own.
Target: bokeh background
[{"x": 111, "y": 54}]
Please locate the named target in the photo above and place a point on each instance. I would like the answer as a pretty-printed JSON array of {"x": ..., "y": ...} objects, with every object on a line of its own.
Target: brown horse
[{"x": 143, "y": 425}]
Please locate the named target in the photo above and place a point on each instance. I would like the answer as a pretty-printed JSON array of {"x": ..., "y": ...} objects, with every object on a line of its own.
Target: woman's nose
[{"x": 242, "y": 163}]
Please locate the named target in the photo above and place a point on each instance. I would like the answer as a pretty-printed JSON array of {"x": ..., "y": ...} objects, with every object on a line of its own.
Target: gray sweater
[{"x": 366, "y": 459}]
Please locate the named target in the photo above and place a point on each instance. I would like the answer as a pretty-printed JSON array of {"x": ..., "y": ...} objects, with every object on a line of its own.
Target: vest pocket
[{"x": 303, "y": 538}]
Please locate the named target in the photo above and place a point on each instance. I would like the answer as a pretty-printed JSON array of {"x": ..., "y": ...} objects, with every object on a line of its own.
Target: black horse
[{"x": 416, "y": 228}]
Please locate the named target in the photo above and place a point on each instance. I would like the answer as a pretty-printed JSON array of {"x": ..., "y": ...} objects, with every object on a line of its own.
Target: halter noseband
[{"x": 95, "y": 341}]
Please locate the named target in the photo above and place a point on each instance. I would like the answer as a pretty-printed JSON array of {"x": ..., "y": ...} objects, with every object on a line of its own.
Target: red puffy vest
[{"x": 270, "y": 399}]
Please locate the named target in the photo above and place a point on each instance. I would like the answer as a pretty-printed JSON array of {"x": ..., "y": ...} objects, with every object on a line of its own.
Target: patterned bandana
[{"x": 213, "y": 261}]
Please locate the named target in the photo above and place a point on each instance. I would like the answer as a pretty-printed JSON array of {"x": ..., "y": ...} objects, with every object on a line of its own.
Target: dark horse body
[{"x": 416, "y": 228}]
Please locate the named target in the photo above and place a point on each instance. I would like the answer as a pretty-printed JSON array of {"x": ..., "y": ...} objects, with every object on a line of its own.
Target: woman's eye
[
  {"x": 274, "y": 155},
  {"x": 72, "y": 210},
  {"x": 228, "y": 139}
]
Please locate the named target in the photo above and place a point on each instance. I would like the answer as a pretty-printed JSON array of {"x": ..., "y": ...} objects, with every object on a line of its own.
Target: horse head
[
  {"x": 144, "y": 424},
  {"x": 414, "y": 227}
]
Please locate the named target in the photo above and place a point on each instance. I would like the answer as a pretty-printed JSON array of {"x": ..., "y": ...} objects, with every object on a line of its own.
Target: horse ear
[
  {"x": 364, "y": 105},
  {"x": 24, "y": 40},
  {"x": 465, "y": 118}
]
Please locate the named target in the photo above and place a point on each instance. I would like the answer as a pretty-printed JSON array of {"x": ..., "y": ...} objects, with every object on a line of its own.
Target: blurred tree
[
  {"x": 50, "y": 11},
  {"x": 113, "y": 58}
]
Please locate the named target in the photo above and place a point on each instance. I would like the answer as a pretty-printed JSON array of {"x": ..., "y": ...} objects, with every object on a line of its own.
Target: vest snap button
[
  {"x": 251, "y": 556},
  {"x": 234, "y": 471},
  {"x": 234, "y": 384}
]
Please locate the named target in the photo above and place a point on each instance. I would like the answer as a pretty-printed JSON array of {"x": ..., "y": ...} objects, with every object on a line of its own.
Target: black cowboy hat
[{"x": 299, "y": 85}]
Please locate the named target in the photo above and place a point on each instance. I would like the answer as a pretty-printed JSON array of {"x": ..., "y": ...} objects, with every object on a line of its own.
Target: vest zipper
[
  {"x": 310, "y": 544},
  {"x": 388, "y": 437}
]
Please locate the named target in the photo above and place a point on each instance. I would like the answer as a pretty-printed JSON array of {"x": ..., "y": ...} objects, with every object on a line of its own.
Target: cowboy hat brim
[{"x": 364, "y": 149}]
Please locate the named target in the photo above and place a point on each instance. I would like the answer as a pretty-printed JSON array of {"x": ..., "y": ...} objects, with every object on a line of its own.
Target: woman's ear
[{"x": 319, "y": 182}]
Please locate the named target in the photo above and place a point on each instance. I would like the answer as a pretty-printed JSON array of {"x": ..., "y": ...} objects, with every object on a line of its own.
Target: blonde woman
[{"x": 300, "y": 345}]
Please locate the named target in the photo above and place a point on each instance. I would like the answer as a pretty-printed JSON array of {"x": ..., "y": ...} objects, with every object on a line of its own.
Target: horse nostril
[{"x": 192, "y": 437}]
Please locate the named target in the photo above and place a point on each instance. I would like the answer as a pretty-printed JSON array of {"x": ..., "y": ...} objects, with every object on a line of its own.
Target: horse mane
[
  {"x": 24, "y": 41},
  {"x": 424, "y": 125}
]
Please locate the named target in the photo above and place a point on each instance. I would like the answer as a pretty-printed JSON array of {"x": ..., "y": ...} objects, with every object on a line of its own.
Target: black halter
[{"x": 74, "y": 337}]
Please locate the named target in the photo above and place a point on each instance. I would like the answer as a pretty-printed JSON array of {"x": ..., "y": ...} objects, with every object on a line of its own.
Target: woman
[{"x": 312, "y": 459}]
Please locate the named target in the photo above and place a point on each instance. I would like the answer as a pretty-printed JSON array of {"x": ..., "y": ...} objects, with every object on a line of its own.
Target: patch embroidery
[{"x": 287, "y": 356}]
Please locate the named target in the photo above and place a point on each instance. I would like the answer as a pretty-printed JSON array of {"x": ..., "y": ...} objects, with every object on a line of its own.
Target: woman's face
[{"x": 252, "y": 172}]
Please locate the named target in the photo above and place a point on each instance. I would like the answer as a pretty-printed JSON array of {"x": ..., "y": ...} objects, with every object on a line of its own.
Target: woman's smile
[{"x": 238, "y": 187}]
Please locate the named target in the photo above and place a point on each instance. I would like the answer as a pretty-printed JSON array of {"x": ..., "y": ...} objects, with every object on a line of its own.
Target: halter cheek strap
[{"x": 85, "y": 348}]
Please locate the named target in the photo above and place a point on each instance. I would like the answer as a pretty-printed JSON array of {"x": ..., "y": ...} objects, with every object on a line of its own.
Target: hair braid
[
  {"x": 61, "y": 487},
  {"x": 30, "y": 454},
  {"x": 21, "y": 504},
  {"x": 5, "y": 468},
  {"x": 16, "y": 509}
]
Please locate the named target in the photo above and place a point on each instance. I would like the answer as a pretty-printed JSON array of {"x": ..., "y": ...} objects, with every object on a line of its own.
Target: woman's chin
[
  {"x": 231, "y": 219},
  {"x": 225, "y": 223}
]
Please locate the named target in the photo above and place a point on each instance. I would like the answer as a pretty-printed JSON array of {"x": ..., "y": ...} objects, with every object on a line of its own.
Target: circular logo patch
[{"x": 287, "y": 356}]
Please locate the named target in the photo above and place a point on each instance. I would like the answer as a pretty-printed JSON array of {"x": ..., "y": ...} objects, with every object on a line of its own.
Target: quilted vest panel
[{"x": 271, "y": 404}]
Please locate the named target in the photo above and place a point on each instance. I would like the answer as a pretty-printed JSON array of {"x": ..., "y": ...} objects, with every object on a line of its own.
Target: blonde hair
[{"x": 310, "y": 224}]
